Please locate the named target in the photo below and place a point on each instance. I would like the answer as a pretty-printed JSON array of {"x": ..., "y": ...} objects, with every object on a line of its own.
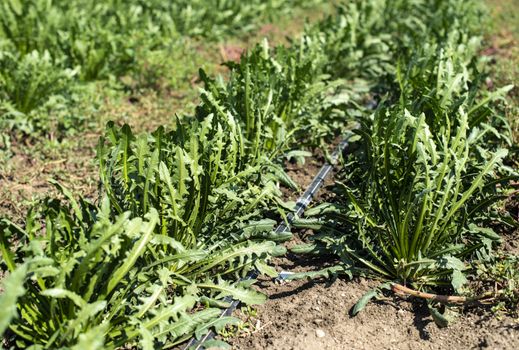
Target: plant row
[
  {"x": 49, "y": 49},
  {"x": 415, "y": 204}
]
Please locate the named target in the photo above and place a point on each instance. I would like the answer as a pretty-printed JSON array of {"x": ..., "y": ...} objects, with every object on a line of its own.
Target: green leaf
[
  {"x": 137, "y": 250},
  {"x": 281, "y": 176},
  {"x": 93, "y": 339},
  {"x": 5, "y": 249},
  {"x": 180, "y": 304},
  {"x": 211, "y": 302},
  {"x": 247, "y": 296},
  {"x": 13, "y": 286},
  {"x": 218, "y": 324},
  {"x": 187, "y": 323},
  {"x": 63, "y": 293},
  {"x": 485, "y": 232},
  {"x": 363, "y": 301},
  {"x": 265, "y": 269},
  {"x": 442, "y": 320},
  {"x": 17, "y": 6},
  {"x": 146, "y": 341},
  {"x": 458, "y": 280},
  {"x": 213, "y": 344}
]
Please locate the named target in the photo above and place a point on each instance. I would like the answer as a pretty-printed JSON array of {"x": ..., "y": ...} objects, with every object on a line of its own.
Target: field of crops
[{"x": 150, "y": 149}]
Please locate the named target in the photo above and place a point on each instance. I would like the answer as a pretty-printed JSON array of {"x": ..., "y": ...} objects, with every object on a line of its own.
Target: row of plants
[
  {"x": 181, "y": 214},
  {"x": 179, "y": 221},
  {"x": 49, "y": 50},
  {"x": 102, "y": 38},
  {"x": 418, "y": 200}
]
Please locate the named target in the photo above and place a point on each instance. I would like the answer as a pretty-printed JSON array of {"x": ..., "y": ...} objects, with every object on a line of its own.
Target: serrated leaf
[
  {"x": 485, "y": 232},
  {"x": 146, "y": 342},
  {"x": 138, "y": 249},
  {"x": 265, "y": 269},
  {"x": 218, "y": 324},
  {"x": 247, "y": 296},
  {"x": 211, "y": 302}
]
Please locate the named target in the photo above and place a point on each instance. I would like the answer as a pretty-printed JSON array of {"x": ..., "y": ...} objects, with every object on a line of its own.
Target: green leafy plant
[
  {"x": 414, "y": 197},
  {"x": 181, "y": 221},
  {"x": 197, "y": 177},
  {"x": 280, "y": 96},
  {"x": 28, "y": 85},
  {"x": 102, "y": 37},
  {"x": 79, "y": 274},
  {"x": 439, "y": 78},
  {"x": 44, "y": 40},
  {"x": 407, "y": 220},
  {"x": 75, "y": 274}
]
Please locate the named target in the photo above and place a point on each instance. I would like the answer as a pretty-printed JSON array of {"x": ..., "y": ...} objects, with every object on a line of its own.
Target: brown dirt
[
  {"x": 511, "y": 235},
  {"x": 230, "y": 52},
  {"x": 299, "y": 313},
  {"x": 301, "y": 174},
  {"x": 511, "y": 242},
  {"x": 24, "y": 178},
  {"x": 146, "y": 112}
]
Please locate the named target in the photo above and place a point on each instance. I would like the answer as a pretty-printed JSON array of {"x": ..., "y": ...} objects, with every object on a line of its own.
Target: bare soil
[
  {"x": 315, "y": 315},
  {"x": 24, "y": 178}
]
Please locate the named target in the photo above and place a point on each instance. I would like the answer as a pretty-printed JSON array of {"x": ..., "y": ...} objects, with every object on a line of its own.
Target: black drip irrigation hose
[{"x": 301, "y": 205}]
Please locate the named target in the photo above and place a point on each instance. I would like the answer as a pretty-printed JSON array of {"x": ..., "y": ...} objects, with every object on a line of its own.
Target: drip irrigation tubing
[{"x": 301, "y": 204}]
